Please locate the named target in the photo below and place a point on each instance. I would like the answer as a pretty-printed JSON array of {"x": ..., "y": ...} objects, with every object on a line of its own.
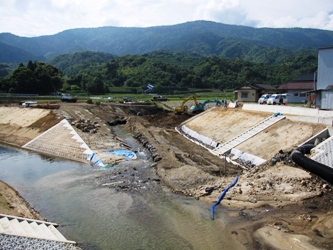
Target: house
[
  {"x": 252, "y": 92},
  {"x": 298, "y": 88},
  {"x": 324, "y": 88}
]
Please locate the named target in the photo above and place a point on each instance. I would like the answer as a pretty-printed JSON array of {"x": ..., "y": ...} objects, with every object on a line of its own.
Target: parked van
[
  {"x": 29, "y": 104},
  {"x": 280, "y": 99},
  {"x": 263, "y": 99}
]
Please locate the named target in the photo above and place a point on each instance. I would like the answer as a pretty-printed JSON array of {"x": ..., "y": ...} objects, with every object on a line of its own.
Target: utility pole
[{"x": 225, "y": 163}]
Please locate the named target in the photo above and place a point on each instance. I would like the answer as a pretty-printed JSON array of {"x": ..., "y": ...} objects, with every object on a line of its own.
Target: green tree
[
  {"x": 96, "y": 86},
  {"x": 37, "y": 78}
]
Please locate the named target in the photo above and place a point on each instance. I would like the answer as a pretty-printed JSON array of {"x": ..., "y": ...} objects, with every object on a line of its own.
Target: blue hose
[{"x": 221, "y": 197}]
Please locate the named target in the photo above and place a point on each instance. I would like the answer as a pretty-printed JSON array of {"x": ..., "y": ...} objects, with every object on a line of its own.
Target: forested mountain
[
  {"x": 180, "y": 70},
  {"x": 96, "y": 73},
  {"x": 5, "y": 69},
  {"x": 197, "y": 54},
  {"x": 73, "y": 63},
  {"x": 262, "y": 45},
  {"x": 11, "y": 54}
]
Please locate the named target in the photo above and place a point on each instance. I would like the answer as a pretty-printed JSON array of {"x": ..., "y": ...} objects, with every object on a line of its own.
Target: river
[{"x": 99, "y": 217}]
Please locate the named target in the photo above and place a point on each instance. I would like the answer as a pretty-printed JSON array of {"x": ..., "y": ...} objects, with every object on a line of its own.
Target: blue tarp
[
  {"x": 95, "y": 160},
  {"x": 123, "y": 152}
]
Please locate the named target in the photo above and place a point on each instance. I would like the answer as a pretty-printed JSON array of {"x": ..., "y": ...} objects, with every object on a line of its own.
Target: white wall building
[
  {"x": 324, "y": 93},
  {"x": 299, "y": 87}
]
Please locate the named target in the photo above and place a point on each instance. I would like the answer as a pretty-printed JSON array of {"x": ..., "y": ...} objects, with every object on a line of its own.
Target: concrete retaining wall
[
  {"x": 296, "y": 113},
  {"x": 323, "y": 134},
  {"x": 198, "y": 137},
  {"x": 235, "y": 157}
]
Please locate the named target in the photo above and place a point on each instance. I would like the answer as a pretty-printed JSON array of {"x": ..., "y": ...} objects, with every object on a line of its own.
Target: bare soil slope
[{"x": 13, "y": 204}]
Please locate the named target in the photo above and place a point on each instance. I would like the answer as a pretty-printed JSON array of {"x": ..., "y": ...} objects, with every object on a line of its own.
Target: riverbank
[
  {"x": 16, "y": 129},
  {"x": 12, "y": 203},
  {"x": 268, "y": 198}
]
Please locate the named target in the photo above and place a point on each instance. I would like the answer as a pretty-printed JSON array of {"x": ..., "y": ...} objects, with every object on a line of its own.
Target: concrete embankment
[
  {"x": 46, "y": 132},
  {"x": 221, "y": 125},
  {"x": 302, "y": 114},
  {"x": 20, "y": 125},
  {"x": 41, "y": 131}
]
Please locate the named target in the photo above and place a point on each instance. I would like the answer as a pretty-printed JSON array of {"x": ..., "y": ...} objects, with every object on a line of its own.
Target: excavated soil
[{"x": 269, "y": 203}]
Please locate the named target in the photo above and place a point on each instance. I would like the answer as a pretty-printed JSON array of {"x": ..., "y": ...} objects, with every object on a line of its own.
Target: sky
[{"x": 30, "y": 18}]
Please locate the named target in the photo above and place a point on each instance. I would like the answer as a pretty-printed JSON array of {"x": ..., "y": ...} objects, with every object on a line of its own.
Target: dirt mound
[
  {"x": 167, "y": 119},
  {"x": 46, "y": 122},
  {"x": 12, "y": 203}
]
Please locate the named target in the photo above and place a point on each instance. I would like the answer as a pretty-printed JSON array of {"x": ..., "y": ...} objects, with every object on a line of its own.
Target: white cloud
[
  {"x": 289, "y": 13},
  {"x": 44, "y": 17},
  {"x": 224, "y": 11}
]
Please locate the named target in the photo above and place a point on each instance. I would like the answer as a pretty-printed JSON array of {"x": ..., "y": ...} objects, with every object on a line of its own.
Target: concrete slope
[
  {"x": 243, "y": 136},
  {"x": 61, "y": 140},
  {"x": 323, "y": 153},
  {"x": 18, "y": 226},
  {"x": 222, "y": 125}
]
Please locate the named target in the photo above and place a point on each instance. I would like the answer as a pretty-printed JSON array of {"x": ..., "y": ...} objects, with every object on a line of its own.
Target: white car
[
  {"x": 263, "y": 99},
  {"x": 280, "y": 99},
  {"x": 29, "y": 104}
]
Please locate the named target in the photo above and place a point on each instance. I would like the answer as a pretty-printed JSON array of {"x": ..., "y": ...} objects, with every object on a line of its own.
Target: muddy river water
[{"x": 103, "y": 217}]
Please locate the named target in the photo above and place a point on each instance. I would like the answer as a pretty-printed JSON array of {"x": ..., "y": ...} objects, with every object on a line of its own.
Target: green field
[{"x": 118, "y": 97}]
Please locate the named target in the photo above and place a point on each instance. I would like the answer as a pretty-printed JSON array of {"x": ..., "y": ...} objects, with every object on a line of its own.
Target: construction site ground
[{"x": 271, "y": 207}]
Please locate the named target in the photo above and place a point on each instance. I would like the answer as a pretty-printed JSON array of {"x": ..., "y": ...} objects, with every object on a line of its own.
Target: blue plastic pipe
[{"x": 212, "y": 208}]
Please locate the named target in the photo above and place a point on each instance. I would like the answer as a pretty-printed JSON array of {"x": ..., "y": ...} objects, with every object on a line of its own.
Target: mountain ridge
[{"x": 204, "y": 37}]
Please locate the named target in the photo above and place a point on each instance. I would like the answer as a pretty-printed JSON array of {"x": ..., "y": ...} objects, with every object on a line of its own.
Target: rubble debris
[
  {"x": 281, "y": 156},
  {"x": 117, "y": 121},
  {"x": 144, "y": 141},
  {"x": 86, "y": 126},
  {"x": 209, "y": 190},
  {"x": 123, "y": 143}
]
